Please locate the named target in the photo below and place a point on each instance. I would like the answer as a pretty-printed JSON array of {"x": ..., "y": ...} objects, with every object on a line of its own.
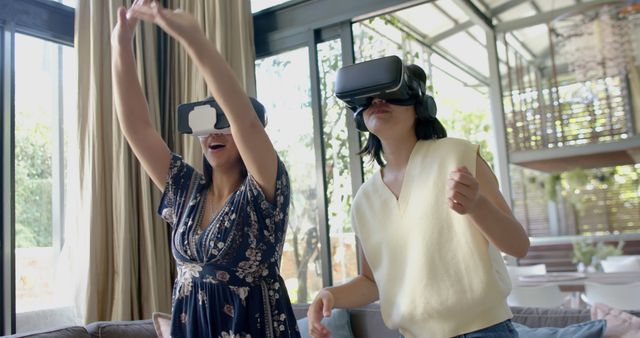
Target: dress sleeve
[
  {"x": 179, "y": 183},
  {"x": 278, "y": 210}
]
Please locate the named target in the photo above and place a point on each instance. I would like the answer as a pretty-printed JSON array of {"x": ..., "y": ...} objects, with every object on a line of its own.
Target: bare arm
[
  {"x": 131, "y": 105},
  {"x": 252, "y": 140},
  {"x": 480, "y": 198},
  {"x": 494, "y": 217},
  {"x": 359, "y": 291}
]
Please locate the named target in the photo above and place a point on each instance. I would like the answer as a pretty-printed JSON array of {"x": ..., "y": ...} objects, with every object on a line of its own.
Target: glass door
[
  {"x": 283, "y": 87},
  {"x": 45, "y": 99}
]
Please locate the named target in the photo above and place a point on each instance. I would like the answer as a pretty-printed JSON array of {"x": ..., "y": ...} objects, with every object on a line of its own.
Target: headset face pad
[{"x": 202, "y": 118}]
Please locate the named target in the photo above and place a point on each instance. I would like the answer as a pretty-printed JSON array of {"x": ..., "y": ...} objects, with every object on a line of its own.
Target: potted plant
[{"x": 588, "y": 256}]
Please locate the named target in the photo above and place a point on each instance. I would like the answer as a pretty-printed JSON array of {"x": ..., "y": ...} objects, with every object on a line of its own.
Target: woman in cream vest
[{"x": 432, "y": 223}]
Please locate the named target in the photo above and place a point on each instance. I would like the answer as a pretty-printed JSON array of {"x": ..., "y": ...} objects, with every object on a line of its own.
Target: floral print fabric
[{"x": 228, "y": 282}]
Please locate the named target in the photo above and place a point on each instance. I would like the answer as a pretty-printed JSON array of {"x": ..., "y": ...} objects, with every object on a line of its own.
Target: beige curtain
[{"x": 128, "y": 261}]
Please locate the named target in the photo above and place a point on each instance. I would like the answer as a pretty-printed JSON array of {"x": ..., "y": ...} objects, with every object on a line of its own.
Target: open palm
[{"x": 177, "y": 23}]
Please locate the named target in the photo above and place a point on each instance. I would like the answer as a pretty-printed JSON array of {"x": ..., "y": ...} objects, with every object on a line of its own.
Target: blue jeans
[{"x": 501, "y": 330}]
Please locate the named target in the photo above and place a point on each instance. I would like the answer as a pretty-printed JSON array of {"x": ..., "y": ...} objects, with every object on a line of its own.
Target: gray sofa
[{"x": 366, "y": 322}]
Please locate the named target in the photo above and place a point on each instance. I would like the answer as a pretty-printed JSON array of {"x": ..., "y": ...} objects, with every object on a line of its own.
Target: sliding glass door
[
  {"x": 39, "y": 95},
  {"x": 45, "y": 93}
]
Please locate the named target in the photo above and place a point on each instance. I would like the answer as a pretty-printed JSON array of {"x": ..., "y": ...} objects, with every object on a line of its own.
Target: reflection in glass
[
  {"x": 338, "y": 178},
  {"x": 284, "y": 88}
]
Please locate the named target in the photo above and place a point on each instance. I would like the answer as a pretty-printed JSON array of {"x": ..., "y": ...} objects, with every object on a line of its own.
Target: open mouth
[{"x": 216, "y": 146}]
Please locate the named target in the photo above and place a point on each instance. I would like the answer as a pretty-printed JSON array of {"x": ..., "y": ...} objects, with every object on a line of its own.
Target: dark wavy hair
[
  {"x": 207, "y": 170},
  {"x": 427, "y": 127}
]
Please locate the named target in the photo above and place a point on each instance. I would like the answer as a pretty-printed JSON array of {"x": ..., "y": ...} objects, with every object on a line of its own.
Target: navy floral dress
[{"x": 228, "y": 282}]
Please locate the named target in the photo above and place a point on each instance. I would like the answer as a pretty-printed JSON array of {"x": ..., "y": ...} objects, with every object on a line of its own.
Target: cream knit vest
[{"x": 437, "y": 275}]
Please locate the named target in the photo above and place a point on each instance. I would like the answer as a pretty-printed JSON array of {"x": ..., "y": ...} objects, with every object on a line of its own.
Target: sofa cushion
[
  {"x": 366, "y": 321},
  {"x": 122, "y": 329},
  {"x": 338, "y": 324},
  {"x": 162, "y": 324},
  {"x": 589, "y": 329},
  {"x": 65, "y": 332}
]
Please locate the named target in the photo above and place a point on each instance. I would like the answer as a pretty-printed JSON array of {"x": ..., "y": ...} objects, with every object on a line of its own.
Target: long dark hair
[
  {"x": 428, "y": 127},
  {"x": 207, "y": 169}
]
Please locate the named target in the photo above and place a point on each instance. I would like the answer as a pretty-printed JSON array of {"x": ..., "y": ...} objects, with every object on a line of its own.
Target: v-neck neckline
[
  {"x": 200, "y": 232},
  {"x": 400, "y": 200}
]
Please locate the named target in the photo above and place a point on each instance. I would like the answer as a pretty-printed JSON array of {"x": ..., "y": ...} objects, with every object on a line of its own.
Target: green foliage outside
[
  {"x": 585, "y": 252},
  {"x": 472, "y": 126},
  {"x": 32, "y": 181}
]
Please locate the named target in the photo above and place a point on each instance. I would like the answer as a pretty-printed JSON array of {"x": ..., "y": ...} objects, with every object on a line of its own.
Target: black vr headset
[
  {"x": 205, "y": 117},
  {"x": 385, "y": 78}
]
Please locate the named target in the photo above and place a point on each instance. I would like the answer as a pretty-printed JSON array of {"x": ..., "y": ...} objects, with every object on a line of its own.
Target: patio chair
[
  {"x": 630, "y": 263},
  {"x": 546, "y": 296},
  {"x": 515, "y": 271}
]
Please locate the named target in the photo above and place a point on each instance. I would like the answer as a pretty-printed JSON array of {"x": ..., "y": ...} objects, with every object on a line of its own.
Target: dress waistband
[{"x": 212, "y": 273}]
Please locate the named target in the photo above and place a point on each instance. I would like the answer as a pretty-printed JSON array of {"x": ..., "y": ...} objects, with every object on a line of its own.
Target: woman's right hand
[
  {"x": 320, "y": 308},
  {"x": 122, "y": 34}
]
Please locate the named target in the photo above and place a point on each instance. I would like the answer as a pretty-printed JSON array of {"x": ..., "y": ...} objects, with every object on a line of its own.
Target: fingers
[
  {"x": 463, "y": 175},
  {"x": 460, "y": 198},
  {"x": 462, "y": 169},
  {"x": 122, "y": 15},
  {"x": 151, "y": 11},
  {"x": 133, "y": 20},
  {"x": 316, "y": 329},
  {"x": 321, "y": 307},
  {"x": 145, "y": 13},
  {"x": 459, "y": 187},
  {"x": 462, "y": 190},
  {"x": 327, "y": 305},
  {"x": 319, "y": 332},
  {"x": 457, "y": 207}
]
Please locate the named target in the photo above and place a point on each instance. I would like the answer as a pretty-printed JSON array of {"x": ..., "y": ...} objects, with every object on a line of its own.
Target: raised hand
[
  {"x": 462, "y": 191},
  {"x": 122, "y": 33},
  {"x": 177, "y": 23}
]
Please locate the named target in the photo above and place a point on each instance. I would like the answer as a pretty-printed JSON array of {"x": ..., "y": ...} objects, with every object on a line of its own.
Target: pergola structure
[{"x": 551, "y": 109}]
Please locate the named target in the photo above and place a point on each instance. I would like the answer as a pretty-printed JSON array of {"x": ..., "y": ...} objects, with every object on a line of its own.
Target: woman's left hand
[
  {"x": 177, "y": 23},
  {"x": 463, "y": 191}
]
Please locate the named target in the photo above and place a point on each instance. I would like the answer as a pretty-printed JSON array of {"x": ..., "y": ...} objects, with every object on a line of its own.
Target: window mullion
[
  {"x": 57, "y": 158},
  {"x": 7, "y": 235}
]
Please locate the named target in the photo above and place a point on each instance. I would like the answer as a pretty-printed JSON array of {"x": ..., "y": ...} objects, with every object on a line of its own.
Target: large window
[
  {"x": 39, "y": 95},
  {"x": 45, "y": 96}
]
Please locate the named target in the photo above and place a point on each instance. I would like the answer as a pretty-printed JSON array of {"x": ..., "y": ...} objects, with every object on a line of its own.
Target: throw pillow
[
  {"x": 620, "y": 324},
  {"x": 590, "y": 329},
  {"x": 338, "y": 323},
  {"x": 162, "y": 324}
]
